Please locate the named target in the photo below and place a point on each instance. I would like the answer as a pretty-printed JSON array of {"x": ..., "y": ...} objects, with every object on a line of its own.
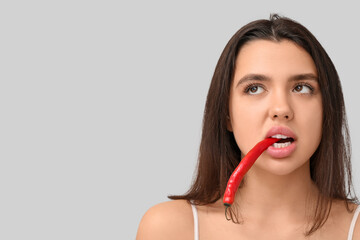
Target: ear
[{"x": 228, "y": 124}]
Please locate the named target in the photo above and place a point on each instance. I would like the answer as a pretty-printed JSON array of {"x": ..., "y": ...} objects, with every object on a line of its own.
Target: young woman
[{"x": 273, "y": 79}]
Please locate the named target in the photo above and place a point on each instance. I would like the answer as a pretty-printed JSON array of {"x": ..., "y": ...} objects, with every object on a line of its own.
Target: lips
[{"x": 279, "y": 150}]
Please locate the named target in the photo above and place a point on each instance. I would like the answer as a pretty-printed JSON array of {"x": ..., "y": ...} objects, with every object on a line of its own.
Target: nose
[{"x": 280, "y": 108}]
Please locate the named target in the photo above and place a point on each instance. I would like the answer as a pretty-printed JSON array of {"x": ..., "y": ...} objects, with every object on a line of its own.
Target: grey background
[{"x": 101, "y": 104}]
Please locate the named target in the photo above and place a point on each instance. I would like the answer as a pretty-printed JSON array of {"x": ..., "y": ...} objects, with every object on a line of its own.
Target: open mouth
[{"x": 284, "y": 141}]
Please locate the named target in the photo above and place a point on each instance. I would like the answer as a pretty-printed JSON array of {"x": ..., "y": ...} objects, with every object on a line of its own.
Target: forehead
[{"x": 271, "y": 57}]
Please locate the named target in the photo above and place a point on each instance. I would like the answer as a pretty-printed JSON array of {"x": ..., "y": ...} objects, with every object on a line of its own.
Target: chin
[{"x": 283, "y": 167}]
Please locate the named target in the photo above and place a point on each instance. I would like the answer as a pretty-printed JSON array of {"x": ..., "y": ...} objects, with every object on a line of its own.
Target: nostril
[{"x": 283, "y": 116}]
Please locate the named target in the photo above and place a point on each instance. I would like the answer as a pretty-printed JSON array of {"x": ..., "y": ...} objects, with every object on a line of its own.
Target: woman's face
[{"x": 275, "y": 91}]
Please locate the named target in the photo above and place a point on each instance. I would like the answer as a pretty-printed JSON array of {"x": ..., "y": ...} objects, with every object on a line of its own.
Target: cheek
[
  {"x": 312, "y": 120},
  {"x": 316, "y": 128},
  {"x": 247, "y": 123}
]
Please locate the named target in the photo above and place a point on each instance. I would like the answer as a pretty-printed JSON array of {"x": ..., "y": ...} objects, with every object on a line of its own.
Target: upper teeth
[{"x": 279, "y": 136}]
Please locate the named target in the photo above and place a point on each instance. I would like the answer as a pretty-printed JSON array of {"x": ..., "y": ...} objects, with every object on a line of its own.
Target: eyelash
[
  {"x": 306, "y": 85},
  {"x": 250, "y": 85}
]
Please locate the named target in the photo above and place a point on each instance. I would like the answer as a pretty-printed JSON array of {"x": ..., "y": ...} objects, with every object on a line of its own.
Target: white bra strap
[
  {"x": 196, "y": 222},
  {"x": 352, "y": 225}
]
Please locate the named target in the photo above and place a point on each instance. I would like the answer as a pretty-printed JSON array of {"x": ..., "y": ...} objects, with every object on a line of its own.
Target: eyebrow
[{"x": 261, "y": 77}]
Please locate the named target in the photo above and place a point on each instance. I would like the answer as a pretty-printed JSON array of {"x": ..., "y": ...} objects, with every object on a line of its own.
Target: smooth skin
[{"x": 278, "y": 196}]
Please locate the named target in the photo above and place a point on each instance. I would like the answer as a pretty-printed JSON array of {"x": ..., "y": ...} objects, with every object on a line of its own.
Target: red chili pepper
[{"x": 244, "y": 166}]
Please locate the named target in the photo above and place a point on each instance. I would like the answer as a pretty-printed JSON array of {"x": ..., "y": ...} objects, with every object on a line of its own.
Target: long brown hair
[{"x": 330, "y": 165}]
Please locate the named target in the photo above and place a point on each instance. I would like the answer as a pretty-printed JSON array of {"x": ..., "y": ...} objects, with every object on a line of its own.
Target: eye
[
  {"x": 254, "y": 89},
  {"x": 303, "y": 88}
]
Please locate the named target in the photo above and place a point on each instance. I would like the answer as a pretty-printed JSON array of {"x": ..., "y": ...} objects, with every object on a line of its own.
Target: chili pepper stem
[{"x": 226, "y": 210}]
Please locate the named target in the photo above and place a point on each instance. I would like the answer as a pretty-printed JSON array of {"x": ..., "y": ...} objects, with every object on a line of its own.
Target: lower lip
[{"x": 281, "y": 152}]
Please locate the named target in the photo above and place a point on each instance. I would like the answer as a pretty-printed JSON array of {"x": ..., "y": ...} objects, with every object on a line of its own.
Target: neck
[{"x": 267, "y": 196}]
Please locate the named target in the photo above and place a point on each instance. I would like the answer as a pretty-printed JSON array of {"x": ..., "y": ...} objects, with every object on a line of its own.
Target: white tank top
[{"x": 196, "y": 223}]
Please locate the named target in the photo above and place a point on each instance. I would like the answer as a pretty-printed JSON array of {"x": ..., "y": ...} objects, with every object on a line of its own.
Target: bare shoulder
[
  {"x": 342, "y": 219},
  {"x": 356, "y": 235},
  {"x": 168, "y": 220}
]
